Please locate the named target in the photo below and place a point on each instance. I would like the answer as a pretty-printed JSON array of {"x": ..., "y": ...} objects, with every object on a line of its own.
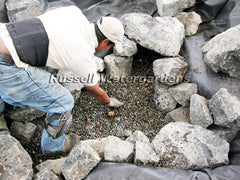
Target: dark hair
[{"x": 99, "y": 34}]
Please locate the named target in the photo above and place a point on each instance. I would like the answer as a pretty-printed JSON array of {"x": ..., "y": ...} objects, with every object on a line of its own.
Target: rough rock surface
[
  {"x": 15, "y": 162},
  {"x": 24, "y": 9},
  {"x": 144, "y": 154},
  {"x": 45, "y": 174},
  {"x": 162, "y": 34},
  {"x": 225, "y": 108},
  {"x": 191, "y": 21},
  {"x": 222, "y": 53},
  {"x": 185, "y": 146},
  {"x": 178, "y": 115},
  {"x": 117, "y": 66},
  {"x": 117, "y": 150},
  {"x": 23, "y": 131},
  {"x": 199, "y": 111},
  {"x": 80, "y": 161},
  {"x": 138, "y": 136},
  {"x": 182, "y": 92},
  {"x": 98, "y": 145},
  {"x": 172, "y": 7},
  {"x": 169, "y": 71},
  {"x": 163, "y": 99},
  {"x": 3, "y": 124},
  {"x": 129, "y": 48}
]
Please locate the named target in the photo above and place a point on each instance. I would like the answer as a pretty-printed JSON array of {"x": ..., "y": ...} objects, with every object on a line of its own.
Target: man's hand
[{"x": 114, "y": 102}]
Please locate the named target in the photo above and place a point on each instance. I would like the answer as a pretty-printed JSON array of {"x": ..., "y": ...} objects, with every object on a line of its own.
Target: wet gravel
[{"x": 93, "y": 119}]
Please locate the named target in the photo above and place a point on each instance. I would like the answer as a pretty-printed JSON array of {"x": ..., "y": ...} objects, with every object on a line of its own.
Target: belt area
[{"x": 6, "y": 58}]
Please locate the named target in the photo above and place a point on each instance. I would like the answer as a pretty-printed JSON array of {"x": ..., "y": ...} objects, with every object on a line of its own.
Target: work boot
[{"x": 71, "y": 141}]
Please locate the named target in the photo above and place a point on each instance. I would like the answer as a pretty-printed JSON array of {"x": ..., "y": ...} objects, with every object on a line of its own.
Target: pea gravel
[{"x": 92, "y": 119}]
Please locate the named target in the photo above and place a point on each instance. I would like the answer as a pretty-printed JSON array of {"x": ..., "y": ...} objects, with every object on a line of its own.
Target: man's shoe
[{"x": 72, "y": 139}]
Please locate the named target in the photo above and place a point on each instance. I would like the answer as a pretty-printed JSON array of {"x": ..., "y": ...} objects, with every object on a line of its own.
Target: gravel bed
[{"x": 93, "y": 119}]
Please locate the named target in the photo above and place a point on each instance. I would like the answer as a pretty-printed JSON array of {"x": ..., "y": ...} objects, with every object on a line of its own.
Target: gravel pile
[{"x": 93, "y": 119}]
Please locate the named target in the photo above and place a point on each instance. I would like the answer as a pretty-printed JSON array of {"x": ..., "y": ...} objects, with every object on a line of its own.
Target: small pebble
[{"x": 111, "y": 114}]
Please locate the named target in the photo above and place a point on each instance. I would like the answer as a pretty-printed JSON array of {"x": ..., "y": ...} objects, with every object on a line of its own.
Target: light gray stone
[
  {"x": 191, "y": 21},
  {"x": 100, "y": 64},
  {"x": 222, "y": 53},
  {"x": 26, "y": 113},
  {"x": 45, "y": 174},
  {"x": 138, "y": 136},
  {"x": 170, "y": 71},
  {"x": 117, "y": 66},
  {"x": 15, "y": 162},
  {"x": 163, "y": 99},
  {"x": 184, "y": 146},
  {"x": 117, "y": 150},
  {"x": 164, "y": 35},
  {"x": 129, "y": 48},
  {"x": 72, "y": 82},
  {"x": 21, "y": 10},
  {"x": 23, "y": 131},
  {"x": 144, "y": 154},
  {"x": 178, "y": 115},
  {"x": 199, "y": 111},
  {"x": 172, "y": 7},
  {"x": 80, "y": 161},
  {"x": 3, "y": 124},
  {"x": 53, "y": 165},
  {"x": 225, "y": 108},
  {"x": 98, "y": 145},
  {"x": 182, "y": 92}
]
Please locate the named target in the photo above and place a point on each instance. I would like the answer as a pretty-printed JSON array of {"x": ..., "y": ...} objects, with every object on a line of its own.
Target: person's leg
[{"x": 35, "y": 87}]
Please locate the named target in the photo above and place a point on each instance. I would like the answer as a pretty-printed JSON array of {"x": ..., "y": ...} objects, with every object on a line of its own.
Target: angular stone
[
  {"x": 191, "y": 21},
  {"x": 182, "y": 92},
  {"x": 199, "y": 112},
  {"x": 164, "y": 35},
  {"x": 98, "y": 145},
  {"x": 71, "y": 81},
  {"x": 45, "y": 174},
  {"x": 100, "y": 64},
  {"x": 170, "y": 71},
  {"x": 184, "y": 146},
  {"x": 178, "y": 115},
  {"x": 117, "y": 150},
  {"x": 117, "y": 66},
  {"x": 26, "y": 113},
  {"x": 225, "y": 108},
  {"x": 15, "y": 162},
  {"x": 163, "y": 99},
  {"x": 80, "y": 161},
  {"x": 172, "y": 7},
  {"x": 222, "y": 53},
  {"x": 24, "y": 9},
  {"x": 52, "y": 165},
  {"x": 145, "y": 154},
  {"x": 129, "y": 48},
  {"x": 138, "y": 136},
  {"x": 23, "y": 131},
  {"x": 3, "y": 124}
]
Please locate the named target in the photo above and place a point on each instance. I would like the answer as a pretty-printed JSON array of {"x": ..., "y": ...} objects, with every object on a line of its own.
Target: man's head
[{"x": 113, "y": 30}]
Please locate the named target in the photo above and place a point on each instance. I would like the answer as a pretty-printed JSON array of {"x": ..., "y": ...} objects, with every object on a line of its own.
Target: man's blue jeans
[{"x": 32, "y": 87}]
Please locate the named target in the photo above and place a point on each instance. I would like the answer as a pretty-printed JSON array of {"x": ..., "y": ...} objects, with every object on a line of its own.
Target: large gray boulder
[
  {"x": 80, "y": 161},
  {"x": 162, "y": 34},
  {"x": 163, "y": 99},
  {"x": 182, "y": 92},
  {"x": 199, "y": 111},
  {"x": 23, "y": 131},
  {"x": 129, "y": 48},
  {"x": 191, "y": 21},
  {"x": 98, "y": 145},
  {"x": 117, "y": 150},
  {"x": 138, "y": 136},
  {"x": 172, "y": 7},
  {"x": 170, "y": 71},
  {"x": 117, "y": 66},
  {"x": 184, "y": 146},
  {"x": 225, "y": 108},
  {"x": 21, "y": 10},
  {"x": 15, "y": 162},
  {"x": 222, "y": 53}
]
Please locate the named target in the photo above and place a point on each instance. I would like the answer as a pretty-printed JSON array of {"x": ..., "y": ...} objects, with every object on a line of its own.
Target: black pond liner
[{"x": 218, "y": 16}]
